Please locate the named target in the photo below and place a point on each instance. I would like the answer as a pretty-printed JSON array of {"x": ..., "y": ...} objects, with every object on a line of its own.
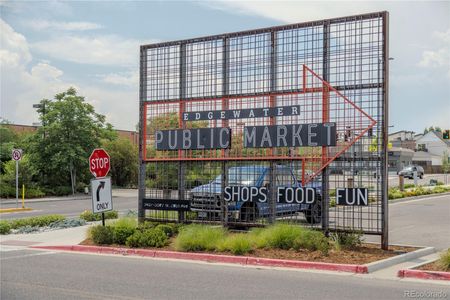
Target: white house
[{"x": 433, "y": 144}]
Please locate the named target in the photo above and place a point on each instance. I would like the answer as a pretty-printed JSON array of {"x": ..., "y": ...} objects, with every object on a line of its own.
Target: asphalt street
[
  {"x": 69, "y": 208},
  {"x": 28, "y": 274},
  {"x": 421, "y": 222}
]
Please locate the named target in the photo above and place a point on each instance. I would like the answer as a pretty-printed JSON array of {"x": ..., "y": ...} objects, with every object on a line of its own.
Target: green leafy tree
[
  {"x": 445, "y": 162},
  {"x": 432, "y": 128},
  {"x": 71, "y": 130},
  {"x": 165, "y": 175},
  {"x": 8, "y": 140},
  {"x": 124, "y": 161}
]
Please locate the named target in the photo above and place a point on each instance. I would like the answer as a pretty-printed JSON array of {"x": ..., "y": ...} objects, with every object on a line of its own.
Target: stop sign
[{"x": 99, "y": 163}]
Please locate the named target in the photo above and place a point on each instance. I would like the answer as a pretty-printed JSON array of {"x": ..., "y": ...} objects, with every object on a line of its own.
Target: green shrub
[
  {"x": 199, "y": 238},
  {"x": 147, "y": 225},
  {"x": 5, "y": 227},
  {"x": 346, "y": 240},
  {"x": 39, "y": 221},
  {"x": 112, "y": 214},
  {"x": 89, "y": 216},
  {"x": 153, "y": 238},
  {"x": 408, "y": 185},
  {"x": 58, "y": 191},
  {"x": 444, "y": 260},
  {"x": 237, "y": 244},
  {"x": 167, "y": 229},
  {"x": 101, "y": 235},
  {"x": 133, "y": 240},
  {"x": 440, "y": 189},
  {"x": 123, "y": 228},
  {"x": 312, "y": 240},
  {"x": 279, "y": 236}
]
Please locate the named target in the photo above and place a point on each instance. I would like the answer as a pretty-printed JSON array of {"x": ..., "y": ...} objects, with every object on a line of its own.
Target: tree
[
  {"x": 445, "y": 162},
  {"x": 71, "y": 130},
  {"x": 432, "y": 128},
  {"x": 124, "y": 161},
  {"x": 8, "y": 140}
]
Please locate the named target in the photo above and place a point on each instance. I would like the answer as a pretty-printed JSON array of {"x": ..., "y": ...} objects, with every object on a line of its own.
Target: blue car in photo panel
[{"x": 206, "y": 199}]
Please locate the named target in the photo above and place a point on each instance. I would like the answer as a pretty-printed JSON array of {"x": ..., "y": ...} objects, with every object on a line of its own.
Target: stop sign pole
[{"x": 99, "y": 165}]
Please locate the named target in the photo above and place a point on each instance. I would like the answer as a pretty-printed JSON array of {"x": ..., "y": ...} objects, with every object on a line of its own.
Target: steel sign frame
[{"x": 334, "y": 70}]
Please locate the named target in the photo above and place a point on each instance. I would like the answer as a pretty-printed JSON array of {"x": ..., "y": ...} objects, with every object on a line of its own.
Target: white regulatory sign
[
  {"x": 101, "y": 195},
  {"x": 17, "y": 154}
]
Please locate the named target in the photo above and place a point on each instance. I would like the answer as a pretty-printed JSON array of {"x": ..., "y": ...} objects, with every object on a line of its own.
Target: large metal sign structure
[{"x": 283, "y": 123}]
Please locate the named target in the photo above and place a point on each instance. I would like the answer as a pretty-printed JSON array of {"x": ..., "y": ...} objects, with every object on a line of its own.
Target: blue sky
[{"x": 94, "y": 46}]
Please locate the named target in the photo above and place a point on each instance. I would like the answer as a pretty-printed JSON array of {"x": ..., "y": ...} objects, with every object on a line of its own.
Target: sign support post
[
  {"x": 17, "y": 183},
  {"x": 99, "y": 165},
  {"x": 17, "y": 155}
]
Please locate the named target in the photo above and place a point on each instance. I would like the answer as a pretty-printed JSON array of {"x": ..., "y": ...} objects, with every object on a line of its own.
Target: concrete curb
[
  {"x": 423, "y": 274},
  {"x": 243, "y": 260},
  {"x": 37, "y": 200},
  {"x": 417, "y": 197},
  {"x": 9, "y": 210},
  {"x": 420, "y": 274},
  {"x": 391, "y": 261}
]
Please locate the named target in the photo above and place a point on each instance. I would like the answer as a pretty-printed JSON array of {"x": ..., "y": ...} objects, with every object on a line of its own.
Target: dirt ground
[
  {"x": 366, "y": 253},
  {"x": 434, "y": 266}
]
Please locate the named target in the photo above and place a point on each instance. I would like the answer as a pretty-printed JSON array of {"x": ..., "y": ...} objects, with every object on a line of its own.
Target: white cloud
[
  {"x": 295, "y": 11},
  {"x": 26, "y": 83},
  {"x": 14, "y": 49},
  {"x": 439, "y": 57},
  {"x": 109, "y": 50},
  {"x": 68, "y": 26},
  {"x": 129, "y": 79}
]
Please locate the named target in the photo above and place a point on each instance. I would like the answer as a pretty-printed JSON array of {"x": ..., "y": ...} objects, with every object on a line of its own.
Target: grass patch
[
  {"x": 238, "y": 244},
  {"x": 444, "y": 260},
  {"x": 279, "y": 236},
  {"x": 312, "y": 240},
  {"x": 199, "y": 238}
]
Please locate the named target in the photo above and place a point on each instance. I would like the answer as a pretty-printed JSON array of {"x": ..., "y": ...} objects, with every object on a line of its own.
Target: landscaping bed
[
  {"x": 440, "y": 265},
  {"x": 281, "y": 241}
]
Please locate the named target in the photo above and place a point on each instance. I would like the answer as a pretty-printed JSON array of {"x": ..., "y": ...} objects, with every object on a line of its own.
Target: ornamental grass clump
[
  {"x": 238, "y": 244},
  {"x": 279, "y": 236},
  {"x": 346, "y": 240},
  {"x": 444, "y": 261},
  {"x": 312, "y": 240},
  {"x": 199, "y": 238}
]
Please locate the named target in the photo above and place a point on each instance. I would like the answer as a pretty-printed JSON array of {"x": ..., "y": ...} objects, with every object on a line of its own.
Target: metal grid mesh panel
[{"x": 334, "y": 71}]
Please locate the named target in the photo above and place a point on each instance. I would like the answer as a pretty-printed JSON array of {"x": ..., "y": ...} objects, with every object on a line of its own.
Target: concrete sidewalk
[{"x": 68, "y": 236}]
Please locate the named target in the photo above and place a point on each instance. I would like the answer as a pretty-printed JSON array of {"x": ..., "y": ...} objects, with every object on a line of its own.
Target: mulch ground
[
  {"x": 434, "y": 266},
  {"x": 364, "y": 254}
]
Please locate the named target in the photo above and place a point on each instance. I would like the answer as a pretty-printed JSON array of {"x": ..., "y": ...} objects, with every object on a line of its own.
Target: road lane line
[{"x": 27, "y": 255}]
